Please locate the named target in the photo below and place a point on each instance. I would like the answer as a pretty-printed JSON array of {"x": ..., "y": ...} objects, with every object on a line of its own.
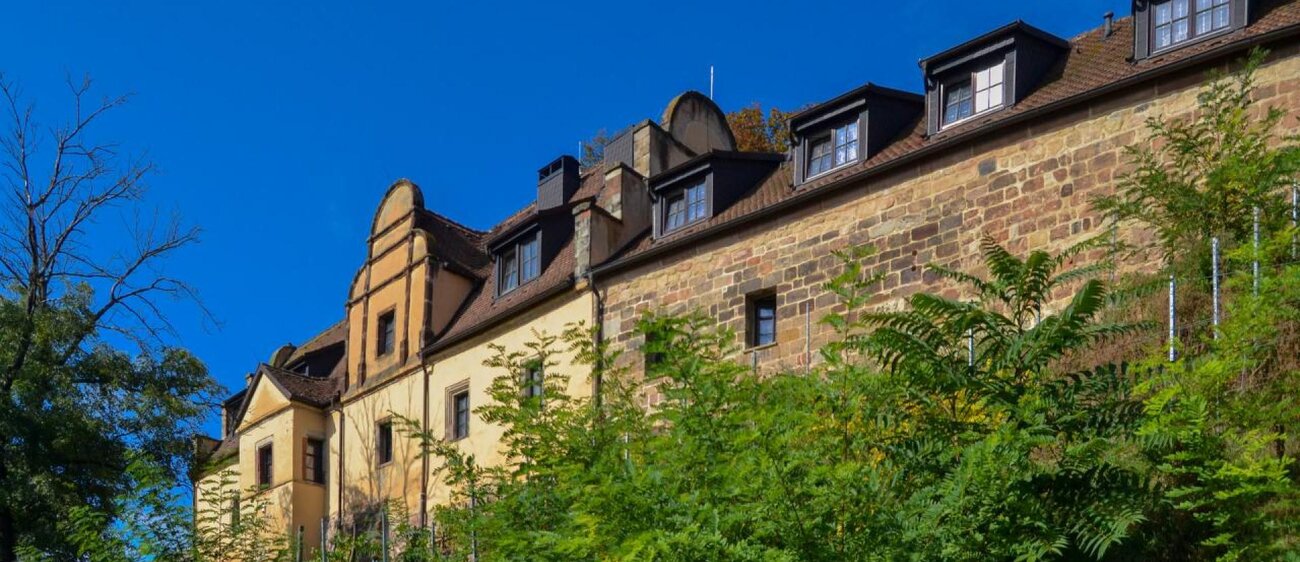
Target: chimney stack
[
  {"x": 556, "y": 183},
  {"x": 1110, "y": 23}
]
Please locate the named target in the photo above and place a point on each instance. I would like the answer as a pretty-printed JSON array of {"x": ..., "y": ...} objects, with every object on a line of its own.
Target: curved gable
[{"x": 698, "y": 123}]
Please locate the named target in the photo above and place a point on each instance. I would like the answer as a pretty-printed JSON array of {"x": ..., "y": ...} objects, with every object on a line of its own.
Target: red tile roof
[{"x": 1094, "y": 64}]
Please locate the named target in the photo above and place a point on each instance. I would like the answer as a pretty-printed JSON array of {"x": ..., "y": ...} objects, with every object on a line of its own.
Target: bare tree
[{"x": 61, "y": 188}]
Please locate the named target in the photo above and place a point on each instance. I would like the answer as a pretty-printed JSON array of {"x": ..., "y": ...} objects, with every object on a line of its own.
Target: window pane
[
  {"x": 846, "y": 145},
  {"x": 531, "y": 266},
  {"x": 1180, "y": 31},
  {"x": 1163, "y": 36},
  {"x": 1163, "y": 13},
  {"x": 460, "y": 425},
  {"x": 1180, "y": 9},
  {"x": 1221, "y": 17}
]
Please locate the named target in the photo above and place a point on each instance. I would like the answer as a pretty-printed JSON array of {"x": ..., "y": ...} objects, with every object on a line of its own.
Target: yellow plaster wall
[
  {"x": 365, "y": 482},
  {"x": 463, "y": 362}
]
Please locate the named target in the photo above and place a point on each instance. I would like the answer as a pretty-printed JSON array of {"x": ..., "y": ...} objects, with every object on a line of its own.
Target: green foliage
[{"x": 1202, "y": 175}]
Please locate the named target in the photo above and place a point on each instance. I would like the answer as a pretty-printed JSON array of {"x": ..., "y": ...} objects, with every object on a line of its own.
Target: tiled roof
[
  {"x": 1093, "y": 64},
  {"x": 333, "y": 335},
  {"x": 316, "y": 391},
  {"x": 452, "y": 241}
]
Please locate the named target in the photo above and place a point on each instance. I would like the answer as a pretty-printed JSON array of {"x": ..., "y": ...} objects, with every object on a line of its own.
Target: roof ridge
[
  {"x": 453, "y": 223},
  {"x": 321, "y": 334}
]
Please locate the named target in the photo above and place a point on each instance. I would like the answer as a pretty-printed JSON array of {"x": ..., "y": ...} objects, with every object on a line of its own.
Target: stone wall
[{"x": 1028, "y": 187}]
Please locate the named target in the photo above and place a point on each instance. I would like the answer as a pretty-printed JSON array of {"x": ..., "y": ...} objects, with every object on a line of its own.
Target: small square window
[
  {"x": 509, "y": 271},
  {"x": 385, "y": 332},
  {"x": 1179, "y": 21},
  {"x": 957, "y": 102},
  {"x": 384, "y": 442},
  {"x": 819, "y": 156},
  {"x": 531, "y": 383},
  {"x": 519, "y": 263},
  {"x": 264, "y": 466},
  {"x": 459, "y": 413},
  {"x": 687, "y": 207},
  {"x": 530, "y": 259},
  {"x": 761, "y": 325},
  {"x": 313, "y": 460}
]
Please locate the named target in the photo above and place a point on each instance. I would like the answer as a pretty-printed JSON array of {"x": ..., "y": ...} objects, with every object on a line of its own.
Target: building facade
[{"x": 1011, "y": 136}]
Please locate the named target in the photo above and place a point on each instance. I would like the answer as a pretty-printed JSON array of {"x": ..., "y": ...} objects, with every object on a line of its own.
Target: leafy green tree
[{"x": 90, "y": 389}]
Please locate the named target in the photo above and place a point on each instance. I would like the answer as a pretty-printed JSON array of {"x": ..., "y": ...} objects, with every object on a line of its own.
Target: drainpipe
[{"x": 600, "y": 337}]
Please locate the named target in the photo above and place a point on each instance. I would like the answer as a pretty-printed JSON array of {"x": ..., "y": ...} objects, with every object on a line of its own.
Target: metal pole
[
  {"x": 1214, "y": 281},
  {"x": 807, "y": 336},
  {"x": 1254, "y": 266},
  {"x": 473, "y": 530},
  {"x": 1295, "y": 214},
  {"x": 1114, "y": 251},
  {"x": 324, "y": 528},
  {"x": 383, "y": 533},
  {"x": 970, "y": 347},
  {"x": 1173, "y": 319}
]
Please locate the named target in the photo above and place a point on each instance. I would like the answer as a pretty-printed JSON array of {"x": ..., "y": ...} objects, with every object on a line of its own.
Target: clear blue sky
[{"x": 277, "y": 126}]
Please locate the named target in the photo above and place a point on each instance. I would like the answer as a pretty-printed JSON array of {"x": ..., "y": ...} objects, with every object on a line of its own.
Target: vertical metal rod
[
  {"x": 1295, "y": 214},
  {"x": 1173, "y": 319},
  {"x": 1214, "y": 282},
  {"x": 383, "y": 534},
  {"x": 473, "y": 530},
  {"x": 1114, "y": 251},
  {"x": 324, "y": 529},
  {"x": 1254, "y": 266},
  {"x": 298, "y": 554},
  {"x": 807, "y": 336},
  {"x": 970, "y": 347}
]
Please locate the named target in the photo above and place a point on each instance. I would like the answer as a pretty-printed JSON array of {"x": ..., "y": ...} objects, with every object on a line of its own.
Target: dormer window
[
  {"x": 688, "y": 207},
  {"x": 980, "y": 92},
  {"x": 849, "y": 129},
  {"x": 1163, "y": 25},
  {"x": 834, "y": 149},
  {"x": 519, "y": 263},
  {"x": 1173, "y": 20},
  {"x": 988, "y": 73}
]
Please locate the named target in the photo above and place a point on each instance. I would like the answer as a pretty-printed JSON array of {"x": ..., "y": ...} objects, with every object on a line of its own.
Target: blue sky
[{"x": 277, "y": 126}]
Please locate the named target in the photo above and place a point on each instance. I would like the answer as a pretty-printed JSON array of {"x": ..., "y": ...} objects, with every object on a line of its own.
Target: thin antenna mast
[{"x": 710, "y": 81}]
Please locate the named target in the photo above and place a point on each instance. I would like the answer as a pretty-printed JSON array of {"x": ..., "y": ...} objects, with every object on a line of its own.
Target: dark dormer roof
[
  {"x": 859, "y": 96},
  {"x": 984, "y": 44}
]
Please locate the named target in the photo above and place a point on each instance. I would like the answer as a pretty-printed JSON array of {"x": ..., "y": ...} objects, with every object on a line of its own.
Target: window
[
  {"x": 384, "y": 442},
  {"x": 968, "y": 97},
  {"x": 838, "y": 148},
  {"x": 819, "y": 157},
  {"x": 519, "y": 264},
  {"x": 460, "y": 415},
  {"x": 313, "y": 460},
  {"x": 762, "y": 320},
  {"x": 988, "y": 87},
  {"x": 653, "y": 351},
  {"x": 1173, "y": 20},
  {"x": 264, "y": 466},
  {"x": 846, "y": 144},
  {"x": 384, "y": 334},
  {"x": 531, "y": 382},
  {"x": 530, "y": 260},
  {"x": 686, "y": 207}
]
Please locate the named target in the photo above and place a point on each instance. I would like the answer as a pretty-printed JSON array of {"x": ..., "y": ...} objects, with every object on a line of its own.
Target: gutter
[{"x": 941, "y": 145}]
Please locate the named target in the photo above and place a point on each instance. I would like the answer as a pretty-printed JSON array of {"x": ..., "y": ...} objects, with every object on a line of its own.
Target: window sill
[
  {"x": 757, "y": 348},
  {"x": 973, "y": 117},
  {"x": 829, "y": 172},
  {"x": 1162, "y": 51}
]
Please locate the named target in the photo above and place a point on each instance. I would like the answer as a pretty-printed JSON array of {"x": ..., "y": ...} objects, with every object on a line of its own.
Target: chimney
[
  {"x": 556, "y": 183},
  {"x": 1109, "y": 17}
]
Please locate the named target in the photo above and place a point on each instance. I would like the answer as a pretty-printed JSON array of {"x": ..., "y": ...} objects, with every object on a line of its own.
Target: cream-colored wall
[
  {"x": 365, "y": 482},
  {"x": 462, "y": 362},
  {"x": 309, "y": 498}
]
